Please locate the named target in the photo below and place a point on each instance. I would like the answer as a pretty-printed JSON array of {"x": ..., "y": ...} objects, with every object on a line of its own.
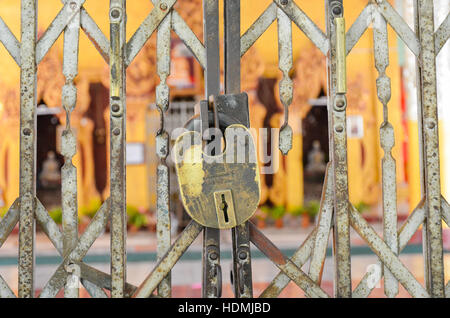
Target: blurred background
[{"x": 290, "y": 196}]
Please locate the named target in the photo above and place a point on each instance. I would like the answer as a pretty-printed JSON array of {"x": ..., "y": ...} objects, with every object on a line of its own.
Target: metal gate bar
[
  {"x": 242, "y": 267},
  {"x": 337, "y": 104},
  {"x": 27, "y": 190},
  {"x": 162, "y": 149},
  {"x": 430, "y": 145},
  {"x": 336, "y": 212},
  {"x": 117, "y": 15},
  {"x": 212, "y": 274}
]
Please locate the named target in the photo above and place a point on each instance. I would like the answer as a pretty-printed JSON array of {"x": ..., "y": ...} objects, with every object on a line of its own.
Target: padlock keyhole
[{"x": 225, "y": 208}]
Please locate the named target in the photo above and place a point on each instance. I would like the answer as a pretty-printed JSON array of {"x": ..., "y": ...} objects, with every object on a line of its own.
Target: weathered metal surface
[
  {"x": 49, "y": 227},
  {"x": 9, "y": 221},
  {"x": 358, "y": 27},
  {"x": 5, "y": 290},
  {"x": 166, "y": 263},
  {"x": 27, "y": 190},
  {"x": 323, "y": 228},
  {"x": 305, "y": 24},
  {"x": 442, "y": 34},
  {"x": 92, "y": 232},
  {"x": 299, "y": 258},
  {"x": 286, "y": 85},
  {"x": 189, "y": 38},
  {"x": 10, "y": 41},
  {"x": 117, "y": 15},
  {"x": 284, "y": 264},
  {"x": 385, "y": 254},
  {"x": 228, "y": 109},
  {"x": 338, "y": 156},
  {"x": 100, "y": 280},
  {"x": 93, "y": 290},
  {"x": 312, "y": 247},
  {"x": 53, "y": 232},
  {"x": 65, "y": 15},
  {"x": 387, "y": 140},
  {"x": 146, "y": 29},
  {"x": 69, "y": 145},
  {"x": 211, "y": 272},
  {"x": 445, "y": 211},
  {"x": 258, "y": 27},
  {"x": 399, "y": 25},
  {"x": 163, "y": 187},
  {"x": 94, "y": 33},
  {"x": 405, "y": 233},
  {"x": 242, "y": 267},
  {"x": 232, "y": 46},
  {"x": 430, "y": 155}
]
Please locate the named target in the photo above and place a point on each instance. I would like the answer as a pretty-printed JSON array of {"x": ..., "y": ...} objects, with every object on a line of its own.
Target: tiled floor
[{"x": 186, "y": 275}]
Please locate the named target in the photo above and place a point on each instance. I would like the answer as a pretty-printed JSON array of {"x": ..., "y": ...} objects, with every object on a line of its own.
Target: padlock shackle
[{"x": 194, "y": 124}]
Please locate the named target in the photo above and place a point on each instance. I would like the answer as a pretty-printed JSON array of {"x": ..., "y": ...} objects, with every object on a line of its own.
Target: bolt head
[
  {"x": 115, "y": 13},
  {"x": 337, "y": 10},
  {"x": 27, "y": 131},
  {"x": 284, "y": 2},
  {"x": 242, "y": 255},
  {"x": 115, "y": 108},
  {"x": 163, "y": 6},
  {"x": 213, "y": 256},
  {"x": 116, "y": 131}
]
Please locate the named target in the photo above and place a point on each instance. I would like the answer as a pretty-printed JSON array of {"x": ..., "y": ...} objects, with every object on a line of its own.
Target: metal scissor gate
[{"x": 336, "y": 213}]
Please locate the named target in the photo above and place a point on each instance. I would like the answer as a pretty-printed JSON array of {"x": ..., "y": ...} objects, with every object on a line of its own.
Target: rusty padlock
[{"x": 220, "y": 191}]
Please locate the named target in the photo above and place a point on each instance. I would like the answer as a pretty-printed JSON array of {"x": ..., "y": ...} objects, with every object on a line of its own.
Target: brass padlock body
[{"x": 203, "y": 179}]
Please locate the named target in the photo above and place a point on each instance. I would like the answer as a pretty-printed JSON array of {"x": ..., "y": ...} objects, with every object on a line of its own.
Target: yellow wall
[{"x": 363, "y": 179}]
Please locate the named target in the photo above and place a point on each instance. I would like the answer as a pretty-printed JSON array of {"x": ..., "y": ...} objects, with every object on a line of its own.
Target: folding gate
[{"x": 336, "y": 212}]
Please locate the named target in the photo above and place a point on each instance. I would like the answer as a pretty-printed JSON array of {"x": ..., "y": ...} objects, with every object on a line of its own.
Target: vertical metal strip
[
  {"x": 117, "y": 15},
  {"x": 421, "y": 147},
  {"x": 338, "y": 143},
  {"x": 162, "y": 149},
  {"x": 387, "y": 140},
  {"x": 211, "y": 43},
  {"x": 27, "y": 188},
  {"x": 232, "y": 46},
  {"x": 211, "y": 237},
  {"x": 286, "y": 85},
  {"x": 324, "y": 226},
  {"x": 242, "y": 267},
  {"x": 430, "y": 155},
  {"x": 69, "y": 145}
]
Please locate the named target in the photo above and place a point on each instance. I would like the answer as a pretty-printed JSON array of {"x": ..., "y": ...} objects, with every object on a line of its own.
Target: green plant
[
  {"x": 136, "y": 218},
  {"x": 91, "y": 209},
  {"x": 56, "y": 215},
  {"x": 362, "y": 207},
  {"x": 312, "y": 208},
  {"x": 298, "y": 211},
  {"x": 277, "y": 212}
]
